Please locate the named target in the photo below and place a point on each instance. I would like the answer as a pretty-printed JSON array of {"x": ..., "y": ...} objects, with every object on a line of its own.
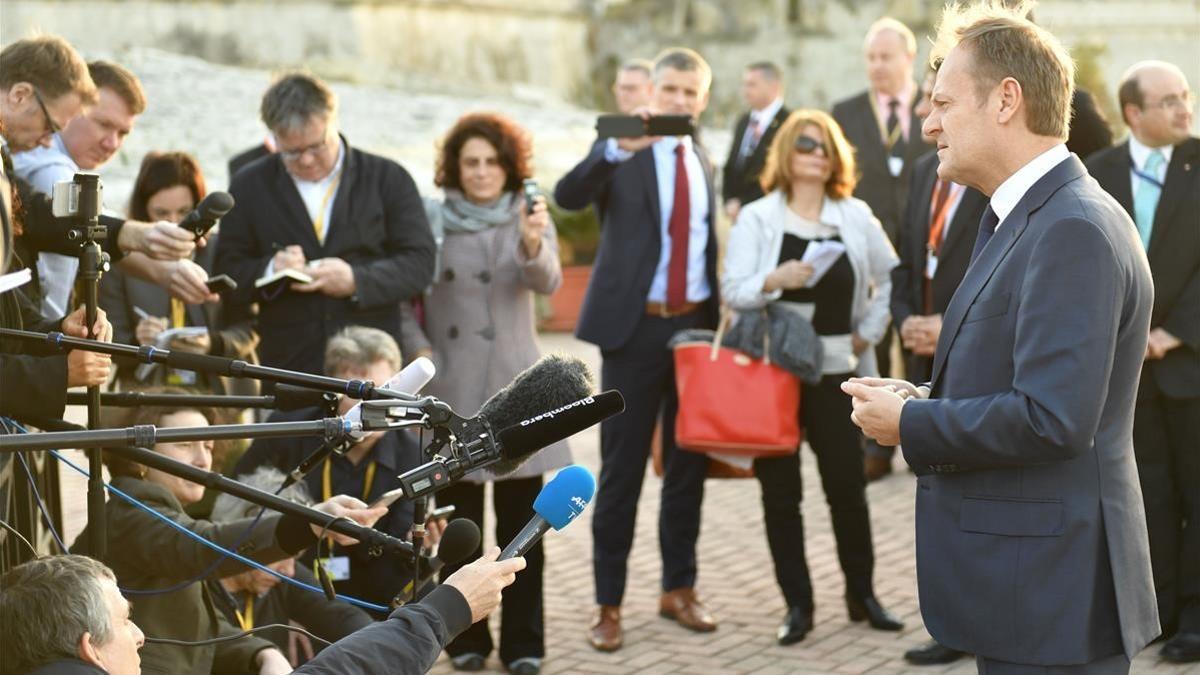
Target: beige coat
[{"x": 479, "y": 321}]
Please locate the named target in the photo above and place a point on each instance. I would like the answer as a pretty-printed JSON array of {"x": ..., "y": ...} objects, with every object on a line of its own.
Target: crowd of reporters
[{"x": 367, "y": 247}]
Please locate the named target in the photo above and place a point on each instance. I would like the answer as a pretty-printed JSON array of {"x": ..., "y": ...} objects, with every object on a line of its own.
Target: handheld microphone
[
  {"x": 516, "y": 443},
  {"x": 207, "y": 213},
  {"x": 557, "y": 505},
  {"x": 410, "y": 380},
  {"x": 461, "y": 539}
]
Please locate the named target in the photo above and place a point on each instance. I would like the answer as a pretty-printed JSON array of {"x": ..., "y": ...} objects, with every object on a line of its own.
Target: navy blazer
[
  {"x": 1031, "y": 533},
  {"x": 1174, "y": 257},
  {"x": 626, "y": 194}
]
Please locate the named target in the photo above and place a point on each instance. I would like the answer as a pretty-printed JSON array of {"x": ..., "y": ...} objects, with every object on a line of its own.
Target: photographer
[{"x": 65, "y": 614}]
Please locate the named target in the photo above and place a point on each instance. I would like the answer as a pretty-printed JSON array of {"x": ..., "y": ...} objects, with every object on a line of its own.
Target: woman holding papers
[
  {"x": 168, "y": 187},
  {"x": 812, "y": 248}
]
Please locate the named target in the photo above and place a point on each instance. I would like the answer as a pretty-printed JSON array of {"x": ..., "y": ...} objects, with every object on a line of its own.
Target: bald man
[{"x": 1155, "y": 175}]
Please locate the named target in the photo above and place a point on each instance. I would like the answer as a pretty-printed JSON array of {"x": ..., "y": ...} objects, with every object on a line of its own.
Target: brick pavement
[{"x": 737, "y": 582}]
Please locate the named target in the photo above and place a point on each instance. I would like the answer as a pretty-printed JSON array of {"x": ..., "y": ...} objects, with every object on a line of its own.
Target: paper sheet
[
  {"x": 821, "y": 255},
  {"x": 15, "y": 279}
]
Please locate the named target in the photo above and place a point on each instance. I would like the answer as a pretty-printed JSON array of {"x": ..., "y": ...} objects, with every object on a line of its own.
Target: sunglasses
[{"x": 806, "y": 146}]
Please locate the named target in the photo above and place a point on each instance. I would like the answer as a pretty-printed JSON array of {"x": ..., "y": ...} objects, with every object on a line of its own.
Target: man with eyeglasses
[
  {"x": 352, "y": 221},
  {"x": 1155, "y": 175},
  {"x": 87, "y": 143},
  {"x": 44, "y": 84}
]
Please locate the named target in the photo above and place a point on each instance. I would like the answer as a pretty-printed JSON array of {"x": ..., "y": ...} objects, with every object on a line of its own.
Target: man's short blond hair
[
  {"x": 50, "y": 64},
  {"x": 896, "y": 26},
  {"x": 1004, "y": 43}
]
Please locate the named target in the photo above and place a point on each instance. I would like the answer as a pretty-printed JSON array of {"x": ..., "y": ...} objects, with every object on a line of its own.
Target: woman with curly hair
[{"x": 495, "y": 253}]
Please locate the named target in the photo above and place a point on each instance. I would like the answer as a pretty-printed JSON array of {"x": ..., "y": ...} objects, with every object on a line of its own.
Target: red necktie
[{"x": 678, "y": 228}]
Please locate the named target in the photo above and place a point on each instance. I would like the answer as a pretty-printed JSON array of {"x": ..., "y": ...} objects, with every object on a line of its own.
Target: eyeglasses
[
  {"x": 54, "y": 128},
  {"x": 1185, "y": 102},
  {"x": 294, "y": 155},
  {"x": 806, "y": 146}
]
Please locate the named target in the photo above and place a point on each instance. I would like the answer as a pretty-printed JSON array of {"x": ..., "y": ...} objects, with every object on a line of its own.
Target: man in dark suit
[
  {"x": 1032, "y": 550},
  {"x": 1155, "y": 175},
  {"x": 351, "y": 220},
  {"x": 655, "y": 274},
  {"x": 882, "y": 125},
  {"x": 930, "y": 266},
  {"x": 248, "y": 156},
  {"x": 762, "y": 89}
]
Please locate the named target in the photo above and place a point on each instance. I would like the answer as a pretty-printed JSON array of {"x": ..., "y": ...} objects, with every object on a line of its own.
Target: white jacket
[{"x": 753, "y": 253}]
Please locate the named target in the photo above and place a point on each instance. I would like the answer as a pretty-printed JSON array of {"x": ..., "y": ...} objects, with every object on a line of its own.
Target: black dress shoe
[
  {"x": 795, "y": 626},
  {"x": 869, "y": 609},
  {"x": 932, "y": 653},
  {"x": 1183, "y": 648}
]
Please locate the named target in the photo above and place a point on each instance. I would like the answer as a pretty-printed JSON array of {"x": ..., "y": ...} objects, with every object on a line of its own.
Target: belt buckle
[{"x": 664, "y": 311}]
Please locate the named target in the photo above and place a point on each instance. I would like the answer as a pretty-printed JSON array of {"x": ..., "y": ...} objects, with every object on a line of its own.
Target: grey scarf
[{"x": 456, "y": 214}]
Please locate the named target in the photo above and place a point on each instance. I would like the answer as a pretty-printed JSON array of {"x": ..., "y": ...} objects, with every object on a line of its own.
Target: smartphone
[
  {"x": 530, "y": 189},
  {"x": 442, "y": 513},
  {"x": 221, "y": 284},
  {"x": 632, "y": 126},
  {"x": 388, "y": 497}
]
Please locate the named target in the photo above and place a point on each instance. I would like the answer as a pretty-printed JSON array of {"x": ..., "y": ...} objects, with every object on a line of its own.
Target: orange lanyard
[{"x": 941, "y": 205}]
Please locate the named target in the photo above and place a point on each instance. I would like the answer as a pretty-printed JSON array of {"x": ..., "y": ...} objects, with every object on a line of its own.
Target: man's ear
[
  {"x": 88, "y": 652},
  {"x": 1012, "y": 98},
  {"x": 18, "y": 92}
]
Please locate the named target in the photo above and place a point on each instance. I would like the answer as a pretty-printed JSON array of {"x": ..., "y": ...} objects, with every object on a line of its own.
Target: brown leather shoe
[
  {"x": 683, "y": 606},
  {"x": 605, "y": 634},
  {"x": 875, "y": 467}
]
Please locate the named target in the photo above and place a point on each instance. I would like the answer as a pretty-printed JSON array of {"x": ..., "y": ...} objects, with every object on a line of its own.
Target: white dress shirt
[
  {"x": 312, "y": 193},
  {"x": 664, "y": 169},
  {"x": 1010, "y": 192}
]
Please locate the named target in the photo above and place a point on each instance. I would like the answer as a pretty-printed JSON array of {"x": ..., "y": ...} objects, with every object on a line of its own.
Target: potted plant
[{"x": 578, "y": 239}]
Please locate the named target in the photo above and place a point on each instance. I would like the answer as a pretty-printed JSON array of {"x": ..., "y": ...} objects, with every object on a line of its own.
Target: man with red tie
[{"x": 654, "y": 275}]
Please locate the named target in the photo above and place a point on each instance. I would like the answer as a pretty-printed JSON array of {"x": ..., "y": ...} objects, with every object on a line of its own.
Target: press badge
[
  {"x": 930, "y": 264},
  {"x": 337, "y": 567},
  {"x": 895, "y": 165}
]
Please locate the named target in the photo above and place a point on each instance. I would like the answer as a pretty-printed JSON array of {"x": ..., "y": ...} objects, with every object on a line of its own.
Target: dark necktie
[
  {"x": 895, "y": 137},
  {"x": 678, "y": 227},
  {"x": 987, "y": 227}
]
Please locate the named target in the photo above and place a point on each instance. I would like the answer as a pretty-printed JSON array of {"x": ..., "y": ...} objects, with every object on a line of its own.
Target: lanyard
[
  {"x": 1145, "y": 176},
  {"x": 327, "y": 480},
  {"x": 177, "y": 313},
  {"x": 319, "y": 221},
  {"x": 941, "y": 206},
  {"x": 889, "y": 139},
  {"x": 246, "y": 617}
]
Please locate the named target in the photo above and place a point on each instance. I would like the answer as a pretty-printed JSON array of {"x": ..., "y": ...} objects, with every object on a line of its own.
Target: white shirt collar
[
  {"x": 764, "y": 116},
  {"x": 667, "y": 143},
  {"x": 1140, "y": 152},
  {"x": 1005, "y": 198}
]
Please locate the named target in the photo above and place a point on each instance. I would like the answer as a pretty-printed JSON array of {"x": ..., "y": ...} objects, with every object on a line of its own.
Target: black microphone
[
  {"x": 515, "y": 443},
  {"x": 460, "y": 540},
  {"x": 207, "y": 213}
]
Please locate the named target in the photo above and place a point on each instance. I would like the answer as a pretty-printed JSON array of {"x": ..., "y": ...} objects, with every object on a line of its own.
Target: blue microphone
[{"x": 557, "y": 505}]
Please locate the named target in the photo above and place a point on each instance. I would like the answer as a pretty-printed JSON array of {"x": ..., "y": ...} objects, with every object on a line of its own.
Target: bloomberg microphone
[{"x": 556, "y": 506}]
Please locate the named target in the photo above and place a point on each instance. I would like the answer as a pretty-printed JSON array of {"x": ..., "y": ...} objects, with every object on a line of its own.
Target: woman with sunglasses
[{"x": 808, "y": 178}]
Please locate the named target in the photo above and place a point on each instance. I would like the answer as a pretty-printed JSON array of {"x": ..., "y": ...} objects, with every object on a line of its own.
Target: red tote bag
[{"x": 733, "y": 404}]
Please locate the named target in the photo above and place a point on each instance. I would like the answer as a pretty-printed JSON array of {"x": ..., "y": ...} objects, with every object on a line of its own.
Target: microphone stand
[
  {"x": 376, "y": 541},
  {"x": 147, "y": 435},
  {"x": 359, "y": 389},
  {"x": 134, "y": 399},
  {"x": 93, "y": 262}
]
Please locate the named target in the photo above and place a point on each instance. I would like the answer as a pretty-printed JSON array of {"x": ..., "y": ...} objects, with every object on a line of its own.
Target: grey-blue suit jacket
[{"x": 1031, "y": 534}]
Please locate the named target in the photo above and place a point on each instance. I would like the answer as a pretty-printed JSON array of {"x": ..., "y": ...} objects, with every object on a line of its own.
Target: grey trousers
[{"x": 1112, "y": 665}]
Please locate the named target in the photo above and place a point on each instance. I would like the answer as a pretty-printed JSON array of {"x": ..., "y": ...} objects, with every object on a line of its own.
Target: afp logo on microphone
[{"x": 565, "y": 496}]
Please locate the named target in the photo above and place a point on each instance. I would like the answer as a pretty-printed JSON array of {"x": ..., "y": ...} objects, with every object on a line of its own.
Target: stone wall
[{"x": 462, "y": 46}]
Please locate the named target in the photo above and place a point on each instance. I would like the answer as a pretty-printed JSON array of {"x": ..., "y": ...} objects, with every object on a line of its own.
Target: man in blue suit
[
  {"x": 654, "y": 275},
  {"x": 1031, "y": 535}
]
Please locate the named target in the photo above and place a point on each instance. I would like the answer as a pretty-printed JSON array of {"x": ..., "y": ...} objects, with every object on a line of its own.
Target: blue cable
[
  {"x": 218, "y": 548},
  {"x": 41, "y": 504}
]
